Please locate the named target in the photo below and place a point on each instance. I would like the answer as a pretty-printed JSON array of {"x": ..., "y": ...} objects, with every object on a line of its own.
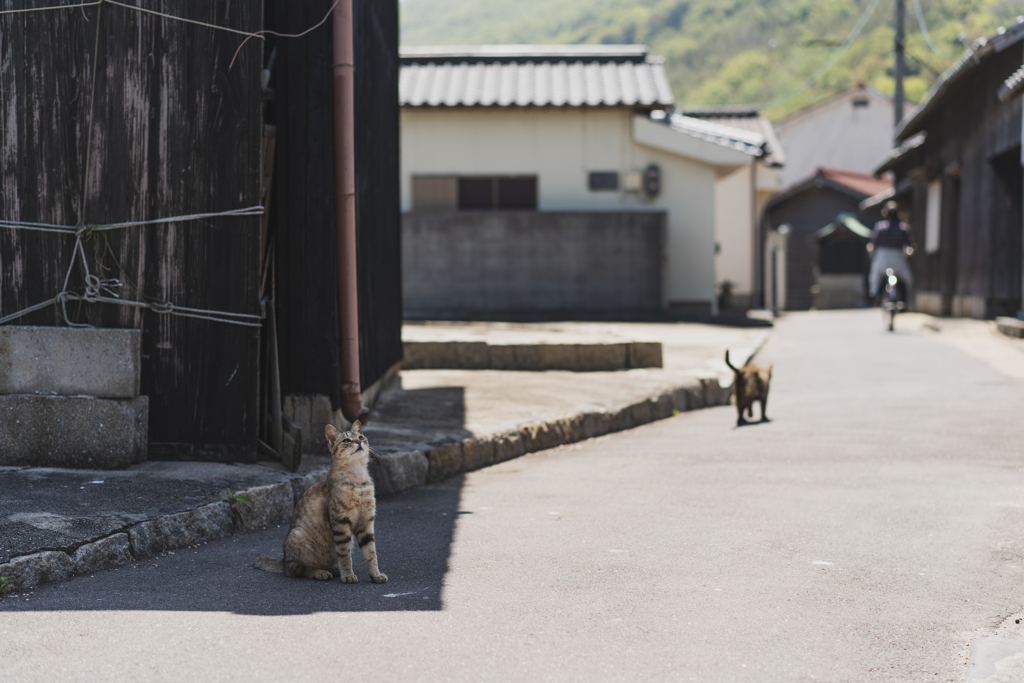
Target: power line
[
  {"x": 830, "y": 62},
  {"x": 924, "y": 28}
]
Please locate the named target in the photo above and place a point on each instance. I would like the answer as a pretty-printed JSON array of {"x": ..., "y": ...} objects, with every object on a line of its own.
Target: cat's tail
[
  {"x": 269, "y": 564},
  {"x": 731, "y": 366}
]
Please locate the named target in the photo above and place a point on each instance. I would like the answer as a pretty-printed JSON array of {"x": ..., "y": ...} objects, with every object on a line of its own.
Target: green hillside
[{"x": 731, "y": 51}]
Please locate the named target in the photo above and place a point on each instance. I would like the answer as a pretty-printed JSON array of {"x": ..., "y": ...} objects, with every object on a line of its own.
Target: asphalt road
[{"x": 869, "y": 532}]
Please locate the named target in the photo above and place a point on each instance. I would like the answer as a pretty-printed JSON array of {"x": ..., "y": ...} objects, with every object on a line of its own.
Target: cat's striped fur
[
  {"x": 750, "y": 384},
  {"x": 330, "y": 514}
]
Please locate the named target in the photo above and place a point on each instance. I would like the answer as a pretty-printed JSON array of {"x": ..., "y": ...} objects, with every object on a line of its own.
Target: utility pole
[{"x": 897, "y": 100}]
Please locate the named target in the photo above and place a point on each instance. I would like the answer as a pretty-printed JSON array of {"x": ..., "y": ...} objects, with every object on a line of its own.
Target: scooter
[{"x": 893, "y": 300}]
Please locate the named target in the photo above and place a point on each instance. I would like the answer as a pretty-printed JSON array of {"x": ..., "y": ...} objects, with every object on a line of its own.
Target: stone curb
[{"x": 273, "y": 503}]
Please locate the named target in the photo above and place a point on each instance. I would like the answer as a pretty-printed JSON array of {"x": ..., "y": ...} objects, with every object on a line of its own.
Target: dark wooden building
[
  {"x": 115, "y": 115},
  {"x": 824, "y": 262},
  {"x": 958, "y": 179}
]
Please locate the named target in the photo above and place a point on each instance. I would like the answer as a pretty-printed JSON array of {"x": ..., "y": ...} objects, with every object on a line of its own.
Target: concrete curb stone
[
  {"x": 106, "y": 553},
  {"x": 28, "y": 571},
  {"x": 406, "y": 469},
  {"x": 444, "y": 461},
  {"x": 206, "y": 523},
  {"x": 271, "y": 504}
]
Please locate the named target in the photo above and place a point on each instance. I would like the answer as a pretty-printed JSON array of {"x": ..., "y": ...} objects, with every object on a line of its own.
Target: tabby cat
[
  {"x": 749, "y": 385},
  {"x": 330, "y": 513}
]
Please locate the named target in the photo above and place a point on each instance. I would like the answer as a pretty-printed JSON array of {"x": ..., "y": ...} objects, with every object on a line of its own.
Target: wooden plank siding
[
  {"x": 972, "y": 146},
  {"x": 302, "y": 213},
  {"x": 173, "y": 131}
]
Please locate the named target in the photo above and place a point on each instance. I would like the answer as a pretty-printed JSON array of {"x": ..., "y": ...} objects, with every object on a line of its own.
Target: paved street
[{"x": 870, "y": 532}]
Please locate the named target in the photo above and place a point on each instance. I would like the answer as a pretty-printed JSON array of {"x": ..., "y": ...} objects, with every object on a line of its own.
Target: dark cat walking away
[{"x": 749, "y": 385}]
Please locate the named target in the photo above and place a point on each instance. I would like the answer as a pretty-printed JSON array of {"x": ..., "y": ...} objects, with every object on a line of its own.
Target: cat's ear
[
  {"x": 356, "y": 427},
  {"x": 332, "y": 435}
]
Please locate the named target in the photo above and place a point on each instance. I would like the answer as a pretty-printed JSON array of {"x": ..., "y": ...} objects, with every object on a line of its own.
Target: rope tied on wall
[
  {"x": 104, "y": 290},
  {"x": 99, "y": 290}
]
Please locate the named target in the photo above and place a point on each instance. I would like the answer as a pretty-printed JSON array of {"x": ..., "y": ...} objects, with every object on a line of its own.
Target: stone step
[
  {"x": 70, "y": 361},
  {"x": 476, "y": 355},
  {"x": 73, "y": 431}
]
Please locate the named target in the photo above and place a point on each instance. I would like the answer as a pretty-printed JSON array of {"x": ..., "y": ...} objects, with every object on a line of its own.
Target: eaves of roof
[
  {"x": 980, "y": 50},
  {"x": 902, "y": 187},
  {"x": 744, "y": 118},
  {"x": 490, "y": 54},
  {"x": 896, "y": 155},
  {"x": 1012, "y": 86},
  {"x": 843, "y": 219},
  {"x": 746, "y": 141}
]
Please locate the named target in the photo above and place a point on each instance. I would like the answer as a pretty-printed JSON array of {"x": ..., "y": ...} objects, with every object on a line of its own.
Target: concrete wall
[
  {"x": 837, "y": 134},
  {"x": 467, "y": 263},
  {"x": 561, "y": 146}
]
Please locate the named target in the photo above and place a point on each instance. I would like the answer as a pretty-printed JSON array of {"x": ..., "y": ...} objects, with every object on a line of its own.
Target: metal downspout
[{"x": 345, "y": 212}]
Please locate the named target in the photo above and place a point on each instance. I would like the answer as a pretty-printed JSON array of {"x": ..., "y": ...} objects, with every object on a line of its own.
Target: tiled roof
[
  {"x": 739, "y": 139},
  {"x": 748, "y": 119},
  {"x": 533, "y": 76},
  {"x": 858, "y": 186},
  {"x": 1012, "y": 86},
  {"x": 981, "y": 49},
  {"x": 866, "y": 184}
]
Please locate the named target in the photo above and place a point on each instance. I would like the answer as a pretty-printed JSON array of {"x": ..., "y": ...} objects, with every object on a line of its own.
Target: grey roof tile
[
  {"x": 490, "y": 76},
  {"x": 748, "y": 119}
]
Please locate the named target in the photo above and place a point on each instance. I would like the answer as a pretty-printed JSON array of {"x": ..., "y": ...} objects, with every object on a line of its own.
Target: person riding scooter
[{"x": 889, "y": 247}]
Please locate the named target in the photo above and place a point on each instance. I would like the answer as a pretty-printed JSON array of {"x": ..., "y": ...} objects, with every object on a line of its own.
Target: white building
[
  {"x": 851, "y": 131},
  {"x": 573, "y": 128}
]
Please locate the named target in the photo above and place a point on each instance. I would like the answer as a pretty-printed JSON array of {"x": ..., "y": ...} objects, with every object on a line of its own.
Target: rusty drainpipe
[{"x": 345, "y": 212}]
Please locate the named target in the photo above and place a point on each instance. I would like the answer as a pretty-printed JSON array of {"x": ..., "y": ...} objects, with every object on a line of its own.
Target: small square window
[{"x": 603, "y": 181}]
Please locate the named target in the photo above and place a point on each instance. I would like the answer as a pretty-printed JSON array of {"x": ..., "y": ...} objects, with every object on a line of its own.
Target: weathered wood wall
[
  {"x": 302, "y": 214},
  {"x": 972, "y": 146},
  {"x": 167, "y": 130}
]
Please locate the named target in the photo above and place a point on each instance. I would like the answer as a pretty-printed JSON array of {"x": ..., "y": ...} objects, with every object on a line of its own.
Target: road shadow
[
  {"x": 403, "y": 416},
  {"x": 414, "y": 534}
]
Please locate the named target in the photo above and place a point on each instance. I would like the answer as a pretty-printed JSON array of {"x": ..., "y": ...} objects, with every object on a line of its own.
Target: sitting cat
[
  {"x": 749, "y": 385},
  {"x": 330, "y": 513}
]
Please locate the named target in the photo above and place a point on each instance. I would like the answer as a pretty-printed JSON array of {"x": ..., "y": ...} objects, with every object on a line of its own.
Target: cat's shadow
[{"x": 753, "y": 423}]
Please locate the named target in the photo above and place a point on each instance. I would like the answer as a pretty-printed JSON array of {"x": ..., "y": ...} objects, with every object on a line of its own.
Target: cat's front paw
[
  {"x": 323, "y": 575},
  {"x": 349, "y": 578},
  {"x": 380, "y": 578}
]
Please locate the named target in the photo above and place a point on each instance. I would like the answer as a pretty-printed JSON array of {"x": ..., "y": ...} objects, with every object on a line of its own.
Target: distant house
[
  {"x": 852, "y": 130},
  {"x": 740, "y": 198},
  {"x": 558, "y": 180},
  {"x": 816, "y": 234},
  {"x": 958, "y": 179}
]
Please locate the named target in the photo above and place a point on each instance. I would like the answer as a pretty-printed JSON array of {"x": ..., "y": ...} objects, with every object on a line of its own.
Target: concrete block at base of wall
[
  {"x": 312, "y": 413},
  {"x": 73, "y": 431},
  {"x": 459, "y": 355},
  {"x": 70, "y": 361}
]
